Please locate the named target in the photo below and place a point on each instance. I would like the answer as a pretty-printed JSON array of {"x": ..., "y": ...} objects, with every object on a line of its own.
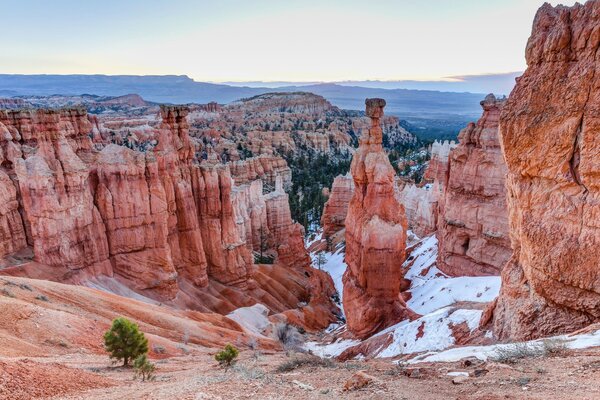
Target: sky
[{"x": 268, "y": 40}]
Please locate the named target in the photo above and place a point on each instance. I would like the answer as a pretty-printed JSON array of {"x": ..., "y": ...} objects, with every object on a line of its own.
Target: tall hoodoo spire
[{"x": 375, "y": 237}]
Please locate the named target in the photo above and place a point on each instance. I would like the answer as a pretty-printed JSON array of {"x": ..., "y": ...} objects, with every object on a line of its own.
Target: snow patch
[
  {"x": 582, "y": 341},
  {"x": 332, "y": 349},
  {"x": 430, "y": 332},
  {"x": 254, "y": 318}
]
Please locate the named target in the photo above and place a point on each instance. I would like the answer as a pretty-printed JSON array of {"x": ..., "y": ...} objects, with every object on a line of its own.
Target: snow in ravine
[
  {"x": 432, "y": 295},
  {"x": 332, "y": 263}
]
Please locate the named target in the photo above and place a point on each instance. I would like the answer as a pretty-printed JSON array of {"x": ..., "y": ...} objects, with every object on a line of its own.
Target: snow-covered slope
[{"x": 433, "y": 295}]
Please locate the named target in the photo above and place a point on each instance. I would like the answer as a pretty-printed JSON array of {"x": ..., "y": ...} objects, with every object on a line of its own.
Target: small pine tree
[
  {"x": 143, "y": 368},
  {"x": 124, "y": 341},
  {"x": 227, "y": 356}
]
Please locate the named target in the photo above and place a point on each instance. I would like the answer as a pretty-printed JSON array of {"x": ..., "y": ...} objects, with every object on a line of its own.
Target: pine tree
[
  {"x": 124, "y": 341},
  {"x": 227, "y": 356},
  {"x": 144, "y": 368}
]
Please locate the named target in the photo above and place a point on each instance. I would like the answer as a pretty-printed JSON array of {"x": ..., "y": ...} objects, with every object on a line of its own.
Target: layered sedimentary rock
[
  {"x": 549, "y": 133},
  {"x": 375, "y": 237},
  {"x": 62, "y": 222},
  {"x": 473, "y": 222},
  {"x": 437, "y": 170},
  {"x": 151, "y": 220},
  {"x": 229, "y": 260},
  {"x": 264, "y": 167},
  {"x": 12, "y": 231},
  {"x": 420, "y": 205},
  {"x": 333, "y": 218}
]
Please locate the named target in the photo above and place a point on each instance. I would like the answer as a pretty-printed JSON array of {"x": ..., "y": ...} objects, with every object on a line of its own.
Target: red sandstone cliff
[
  {"x": 549, "y": 134},
  {"x": 155, "y": 221},
  {"x": 333, "y": 218},
  {"x": 473, "y": 223},
  {"x": 375, "y": 237}
]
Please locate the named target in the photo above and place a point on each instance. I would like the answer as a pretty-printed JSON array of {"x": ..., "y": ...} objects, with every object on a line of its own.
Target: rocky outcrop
[
  {"x": 375, "y": 237},
  {"x": 333, "y": 218},
  {"x": 473, "y": 222},
  {"x": 420, "y": 204},
  {"x": 264, "y": 167},
  {"x": 437, "y": 170},
  {"x": 152, "y": 221},
  {"x": 549, "y": 134},
  {"x": 62, "y": 223},
  {"x": 12, "y": 231}
]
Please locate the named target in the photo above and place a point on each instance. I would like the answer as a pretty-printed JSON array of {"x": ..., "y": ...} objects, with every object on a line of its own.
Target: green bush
[
  {"x": 227, "y": 356},
  {"x": 143, "y": 368},
  {"x": 124, "y": 341}
]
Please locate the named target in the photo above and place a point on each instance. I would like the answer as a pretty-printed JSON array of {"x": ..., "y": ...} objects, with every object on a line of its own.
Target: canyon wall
[
  {"x": 154, "y": 220},
  {"x": 473, "y": 222},
  {"x": 375, "y": 237},
  {"x": 549, "y": 133}
]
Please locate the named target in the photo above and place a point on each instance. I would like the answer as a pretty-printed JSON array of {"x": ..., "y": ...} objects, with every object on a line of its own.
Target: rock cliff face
[
  {"x": 12, "y": 231},
  {"x": 264, "y": 167},
  {"x": 154, "y": 220},
  {"x": 375, "y": 237},
  {"x": 437, "y": 170},
  {"x": 473, "y": 223},
  {"x": 420, "y": 204},
  {"x": 549, "y": 133},
  {"x": 333, "y": 218},
  {"x": 62, "y": 223}
]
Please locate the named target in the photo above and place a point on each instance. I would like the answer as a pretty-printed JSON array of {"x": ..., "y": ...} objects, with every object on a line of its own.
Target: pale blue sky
[{"x": 269, "y": 40}]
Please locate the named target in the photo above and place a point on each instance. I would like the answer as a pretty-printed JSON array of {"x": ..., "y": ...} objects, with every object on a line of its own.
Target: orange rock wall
[{"x": 549, "y": 134}]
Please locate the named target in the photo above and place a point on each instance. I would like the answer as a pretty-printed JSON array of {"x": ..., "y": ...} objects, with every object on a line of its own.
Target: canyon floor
[{"x": 571, "y": 375}]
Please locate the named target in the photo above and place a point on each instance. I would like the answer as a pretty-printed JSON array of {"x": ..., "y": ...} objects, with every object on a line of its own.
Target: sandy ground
[{"x": 571, "y": 375}]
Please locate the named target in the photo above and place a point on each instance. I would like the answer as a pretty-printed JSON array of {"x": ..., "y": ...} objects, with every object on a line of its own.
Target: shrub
[
  {"x": 158, "y": 349},
  {"x": 288, "y": 336},
  {"x": 143, "y": 368},
  {"x": 124, "y": 341},
  {"x": 297, "y": 362},
  {"x": 512, "y": 353},
  {"x": 554, "y": 346},
  {"x": 227, "y": 356},
  {"x": 41, "y": 297}
]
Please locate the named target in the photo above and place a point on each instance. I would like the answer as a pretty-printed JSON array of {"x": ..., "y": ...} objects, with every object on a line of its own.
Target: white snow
[
  {"x": 254, "y": 318},
  {"x": 457, "y": 373},
  {"x": 436, "y": 332},
  {"x": 435, "y": 290},
  {"x": 432, "y": 295},
  {"x": 332, "y": 263},
  {"x": 484, "y": 352},
  {"x": 330, "y": 350}
]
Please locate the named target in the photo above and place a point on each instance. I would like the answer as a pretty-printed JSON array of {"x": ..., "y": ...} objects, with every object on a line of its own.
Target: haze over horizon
[{"x": 269, "y": 41}]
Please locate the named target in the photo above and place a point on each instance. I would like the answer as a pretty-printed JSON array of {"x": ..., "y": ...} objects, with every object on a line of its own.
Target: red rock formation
[
  {"x": 549, "y": 133},
  {"x": 12, "y": 231},
  {"x": 152, "y": 219},
  {"x": 62, "y": 222},
  {"x": 263, "y": 167},
  {"x": 229, "y": 260},
  {"x": 286, "y": 235},
  {"x": 473, "y": 222},
  {"x": 335, "y": 210},
  {"x": 375, "y": 237}
]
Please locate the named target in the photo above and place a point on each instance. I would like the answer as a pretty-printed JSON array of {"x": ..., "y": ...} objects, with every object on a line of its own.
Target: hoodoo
[
  {"x": 549, "y": 132},
  {"x": 375, "y": 237},
  {"x": 473, "y": 221}
]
